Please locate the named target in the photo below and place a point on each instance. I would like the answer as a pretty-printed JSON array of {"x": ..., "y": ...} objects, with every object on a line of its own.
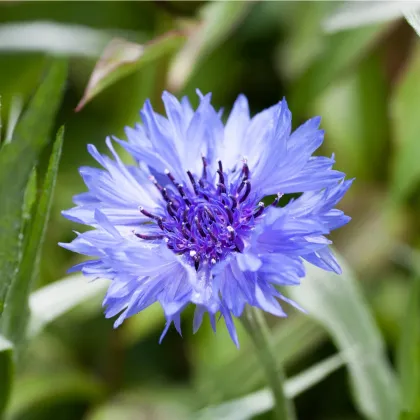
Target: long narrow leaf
[
  {"x": 6, "y": 372},
  {"x": 52, "y": 301},
  {"x": 14, "y": 321},
  {"x": 30, "y": 137},
  {"x": 262, "y": 401},
  {"x": 338, "y": 304},
  {"x": 408, "y": 356}
]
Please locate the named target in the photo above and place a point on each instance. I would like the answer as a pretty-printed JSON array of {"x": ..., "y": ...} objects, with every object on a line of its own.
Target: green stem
[{"x": 255, "y": 325}]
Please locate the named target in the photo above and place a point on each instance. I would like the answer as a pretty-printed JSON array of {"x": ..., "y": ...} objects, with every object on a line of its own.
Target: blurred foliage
[{"x": 364, "y": 82}]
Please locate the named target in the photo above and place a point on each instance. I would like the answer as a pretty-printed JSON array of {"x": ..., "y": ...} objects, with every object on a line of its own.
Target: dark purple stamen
[
  {"x": 277, "y": 199},
  {"x": 247, "y": 191},
  {"x": 259, "y": 210},
  {"x": 149, "y": 237},
  {"x": 245, "y": 170},
  {"x": 207, "y": 222},
  {"x": 204, "y": 176}
]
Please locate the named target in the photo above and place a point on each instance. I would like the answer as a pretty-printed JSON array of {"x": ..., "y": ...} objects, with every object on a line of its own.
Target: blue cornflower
[{"x": 185, "y": 223}]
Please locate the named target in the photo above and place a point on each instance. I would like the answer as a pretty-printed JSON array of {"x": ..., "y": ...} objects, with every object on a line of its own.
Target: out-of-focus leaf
[
  {"x": 412, "y": 16},
  {"x": 408, "y": 359},
  {"x": 6, "y": 372},
  {"x": 145, "y": 404},
  {"x": 16, "y": 162},
  {"x": 356, "y": 130},
  {"x": 53, "y": 38},
  {"x": 406, "y": 128},
  {"x": 262, "y": 401},
  {"x": 218, "y": 20},
  {"x": 121, "y": 58},
  {"x": 338, "y": 304},
  {"x": 52, "y": 301},
  {"x": 354, "y": 14},
  {"x": 38, "y": 392},
  {"x": 15, "y": 319},
  {"x": 231, "y": 374},
  {"x": 145, "y": 322},
  {"x": 342, "y": 51}
]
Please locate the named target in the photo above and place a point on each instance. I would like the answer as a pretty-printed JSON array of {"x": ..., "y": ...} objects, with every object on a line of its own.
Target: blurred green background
[{"x": 364, "y": 83}]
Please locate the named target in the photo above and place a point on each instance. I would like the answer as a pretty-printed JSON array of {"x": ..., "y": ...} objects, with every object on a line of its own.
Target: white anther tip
[
  {"x": 230, "y": 228},
  {"x": 261, "y": 204},
  {"x": 166, "y": 171},
  {"x": 193, "y": 253},
  {"x": 213, "y": 261}
]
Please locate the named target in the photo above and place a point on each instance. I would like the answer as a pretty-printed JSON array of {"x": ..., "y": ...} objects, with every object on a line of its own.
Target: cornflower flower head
[{"x": 186, "y": 225}]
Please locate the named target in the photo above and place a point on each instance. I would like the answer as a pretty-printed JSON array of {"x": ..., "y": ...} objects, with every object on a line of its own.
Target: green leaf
[
  {"x": 342, "y": 50},
  {"x": 6, "y": 372},
  {"x": 30, "y": 137},
  {"x": 355, "y": 14},
  {"x": 52, "y": 38},
  {"x": 38, "y": 392},
  {"x": 408, "y": 355},
  {"x": 356, "y": 130},
  {"x": 261, "y": 401},
  {"x": 406, "y": 128},
  {"x": 337, "y": 303},
  {"x": 135, "y": 404},
  {"x": 223, "y": 372},
  {"x": 15, "y": 319},
  {"x": 218, "y": 20},
  {"x": 122, "y": 58},
  {"x": 54, "y": 300}
]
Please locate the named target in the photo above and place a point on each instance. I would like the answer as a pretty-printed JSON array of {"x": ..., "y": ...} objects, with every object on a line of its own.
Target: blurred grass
[{"x": 362, "y": 82}]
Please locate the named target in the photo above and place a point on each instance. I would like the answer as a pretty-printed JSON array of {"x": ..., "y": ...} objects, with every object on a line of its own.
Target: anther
[
  {"x": 213, "y": 261},
  {"x": 170, "y": 176},
  {"x": 260, "y": 209},
  {"x": 247, "y": 191},
  {"x": 149, "y": 237},
  {"x": 156, "y": 184},
  {"x": 234, "y": 201},
  {"x": 229, "y": 213},
  {"x": 199, "y": 227},
  {"x": 148, "y": 214},
  {"x": 245, "y": 170},
  {"x": 170, "y": 209},
  {"x": 204, "y": 176},
  {"x": 194, "y": 184},
  {"x": 222, "y": 188},
  {"x": 231, "y": 232},
  {"x": 277, "y": 199}
]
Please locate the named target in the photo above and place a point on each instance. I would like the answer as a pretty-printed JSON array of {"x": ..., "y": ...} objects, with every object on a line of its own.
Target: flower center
[{"x": 210, "y": 219}]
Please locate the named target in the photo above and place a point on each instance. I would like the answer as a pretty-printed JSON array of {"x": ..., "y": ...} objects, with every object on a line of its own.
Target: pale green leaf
[
  {"x": 261, "y": 401},
  {"x": 53, "y": 38},
  {"x": 54, "y": 300},
  {"x": 353, "y": 14},
  {"x": 337, "y": 303},
  {"x": 121, "y": 58}
]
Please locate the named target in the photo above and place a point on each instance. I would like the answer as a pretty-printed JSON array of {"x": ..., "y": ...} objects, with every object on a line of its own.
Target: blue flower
[{"x": 185, "y": 224}]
